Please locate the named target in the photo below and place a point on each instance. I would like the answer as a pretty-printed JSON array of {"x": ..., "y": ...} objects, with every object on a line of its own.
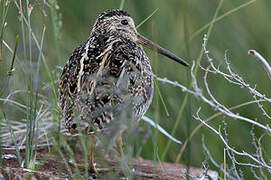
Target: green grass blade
[
  {"x": 221, "y": 17},
  {"x": 22, "y": 27},
  {"x": 122, "y": 4},
  {"x": 71, "y": 155},
  {"x": 160, "y": 96},
  {"x": 5, "y": 5},
  {"x": 1, "y": 146},
  {"x": 28, "y": 12},
  {"x": 147, "y": 18},
  {"x": 32, "y": 114},
  {"x": 64, "y": 159},
  {"x": 4, "y": 16},
  {"x": 189, "y": 104},
  {"x": 14, "y": 141},
  {"x": 11, "y": 69},
  {"x": 57, "y": 24},
  {"x": 180, "y": 113}
]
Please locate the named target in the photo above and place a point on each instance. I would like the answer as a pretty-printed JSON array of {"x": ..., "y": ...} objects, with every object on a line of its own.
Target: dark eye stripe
[{"x": 124, "y": 22}]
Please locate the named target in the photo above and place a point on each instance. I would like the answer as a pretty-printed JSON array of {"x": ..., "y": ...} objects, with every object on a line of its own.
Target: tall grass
[
  {"x": 180, "y": 113},
  {"x": 32, "y": 78}
]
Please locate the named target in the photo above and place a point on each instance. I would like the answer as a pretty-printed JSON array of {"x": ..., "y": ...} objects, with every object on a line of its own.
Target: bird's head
[
  {"x": 116, "y": 22},
  {"x": 119, "y": 22}
]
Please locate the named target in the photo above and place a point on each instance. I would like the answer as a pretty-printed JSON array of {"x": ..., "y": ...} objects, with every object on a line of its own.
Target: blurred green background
[{"x": 173, "y": 26}]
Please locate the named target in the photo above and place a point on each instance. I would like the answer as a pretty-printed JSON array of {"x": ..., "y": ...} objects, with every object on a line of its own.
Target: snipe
[{"x": 107, "y": 75}]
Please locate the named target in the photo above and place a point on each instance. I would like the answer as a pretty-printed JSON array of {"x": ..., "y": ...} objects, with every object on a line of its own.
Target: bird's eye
[{"x": 124, "y": 22}]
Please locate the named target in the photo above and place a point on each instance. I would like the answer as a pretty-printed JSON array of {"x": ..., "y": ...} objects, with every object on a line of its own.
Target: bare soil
[{"x": 52, "y": 166}]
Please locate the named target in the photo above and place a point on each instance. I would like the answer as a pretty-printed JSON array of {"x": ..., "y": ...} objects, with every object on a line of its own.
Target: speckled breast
[{"x": 114, "y": 81}]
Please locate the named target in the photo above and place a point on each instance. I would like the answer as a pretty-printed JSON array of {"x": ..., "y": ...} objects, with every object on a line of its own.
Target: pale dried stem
[
  {"x": 258, "y": 163},
  {"x": 262, "y": 60}
]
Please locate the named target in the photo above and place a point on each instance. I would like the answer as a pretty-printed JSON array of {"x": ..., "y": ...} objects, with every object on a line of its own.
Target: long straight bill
[{"x": 149, "y": 44}]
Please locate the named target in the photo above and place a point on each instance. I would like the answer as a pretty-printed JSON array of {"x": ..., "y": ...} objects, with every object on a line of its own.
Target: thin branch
[
  {"x": 163, "y": 131},
  {"x": 258, "y": 163},
  {"x": 261, "y": 59}
]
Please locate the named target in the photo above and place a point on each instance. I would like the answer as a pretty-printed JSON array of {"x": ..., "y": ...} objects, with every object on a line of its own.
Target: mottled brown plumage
[
  {"x": 101, "y": 73},
  {"x": 107, "y": 75}
]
